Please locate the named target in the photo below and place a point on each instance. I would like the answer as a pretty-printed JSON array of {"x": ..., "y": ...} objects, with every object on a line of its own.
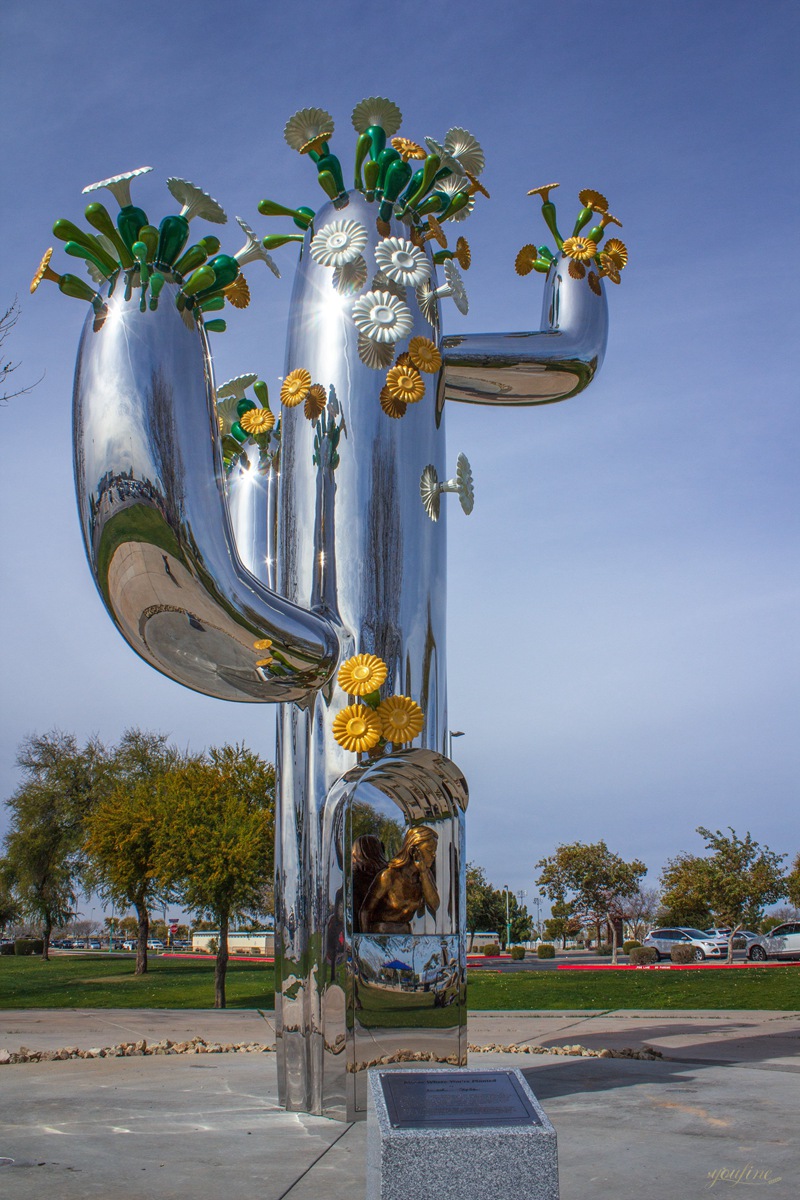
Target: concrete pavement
[{"x": 724, "y": 1099}]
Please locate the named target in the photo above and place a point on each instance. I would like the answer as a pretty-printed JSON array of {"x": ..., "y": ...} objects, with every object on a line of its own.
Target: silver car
[
  {"x": 781, "y": 942},
  {"x": 662, "y": 940}
]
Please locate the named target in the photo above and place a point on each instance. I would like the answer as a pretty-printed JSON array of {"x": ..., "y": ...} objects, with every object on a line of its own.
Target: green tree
[
  {"x": 594, "y": 880},
  {"x": 124, "y": 829},
  {"x": 684, "y": 898},
  {"x": 483, "y": 910},
  {"x": 9, "y": 907},
  {"x": 793, "y": 883},
  {"x": 741, "y": 878},
  {"x": 563, "y": 922},
  {"x": 43, "y": 848},
  {"x": 220, "y": 851}
]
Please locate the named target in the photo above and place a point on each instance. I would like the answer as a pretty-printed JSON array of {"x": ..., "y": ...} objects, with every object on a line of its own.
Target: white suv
[
  {"x": 781, "y": 942},
  {"x": 662, "y": 940}
]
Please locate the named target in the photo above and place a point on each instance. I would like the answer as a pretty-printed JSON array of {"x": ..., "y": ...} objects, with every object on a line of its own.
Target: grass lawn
[{"x": 103, "y": 982}]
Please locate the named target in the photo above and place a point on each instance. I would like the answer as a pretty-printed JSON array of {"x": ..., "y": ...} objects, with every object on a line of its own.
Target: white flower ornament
[
  {"x": 466, "y": 149},
  {"x": 382, "y": 317},
  {"x": 338, "y": 242},
  {"x": 402, "y": 261}
]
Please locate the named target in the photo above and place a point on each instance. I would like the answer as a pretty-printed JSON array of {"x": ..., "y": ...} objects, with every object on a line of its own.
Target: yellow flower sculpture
[
  {"x": 315, "y": 402},
  {"x": 262, "y": 644},
  {"x": 594, "y": 284},
  {"x": 424, "y": 355},
  {"x": 617, "y": 251},
  {"x": 295, "y": 387},
  {"x": 577, "y": 270},
  {"x": 400, "y": 719},
  {"x": 544, "y": 191},
  {"x": 362, "y": 674},
  {"x": 408, "y": 149},
  {"x": 237, "y": 293},
  {"x": 357, "y": 728},
  {"x": 594, "y": 200},
  {"x": 257, "y": 420},
  {"x": 580, "y": 248},
  {"x": 523, "y": 263},
  {"x": 463, "y": 253},
  {"x": 264, "y": 662},
  {"x": 610, "y": 269},
  {"x": 405, "y": 383},
  {"x": 391, "y": 405},
  {"x": 42, "y": 271}
]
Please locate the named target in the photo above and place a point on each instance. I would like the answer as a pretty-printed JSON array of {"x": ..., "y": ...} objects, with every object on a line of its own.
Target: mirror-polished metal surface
[
  {"x": 155, "y": 523},
  {"x": 553, "y": 364}
]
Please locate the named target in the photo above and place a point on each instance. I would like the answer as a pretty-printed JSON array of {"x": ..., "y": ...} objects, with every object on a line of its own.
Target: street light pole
[
  {"x": 453, "y": 733},
  {"x": 508, "y": 918}
]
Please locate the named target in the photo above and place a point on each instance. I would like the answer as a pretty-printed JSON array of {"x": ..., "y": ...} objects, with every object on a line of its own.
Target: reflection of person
[
  {"x": 369, "y": 860},
  {"x": 406, "y": 886}
]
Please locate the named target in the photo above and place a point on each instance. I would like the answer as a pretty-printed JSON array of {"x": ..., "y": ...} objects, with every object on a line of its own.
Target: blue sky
[{"x": 623, "y": 648}]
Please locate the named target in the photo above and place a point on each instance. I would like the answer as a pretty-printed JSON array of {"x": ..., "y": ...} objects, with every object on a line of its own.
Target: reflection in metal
[
  {"x": 155, "y": 522},
  {"x": 533, "y": 368},
  {"x": 430, "y": 489},
  {"x": 328, "y": 554}
]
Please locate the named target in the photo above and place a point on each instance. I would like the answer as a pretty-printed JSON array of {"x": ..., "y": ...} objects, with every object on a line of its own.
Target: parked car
[
  {"x": 781, "y": 942},
  {"x": 155, "y": 944},
  {"x": 129, "y": 944},
  {"x": 80, "y": 944},
  {"x": 94, "y": 945},
  {"x": 662, "y": 941}
]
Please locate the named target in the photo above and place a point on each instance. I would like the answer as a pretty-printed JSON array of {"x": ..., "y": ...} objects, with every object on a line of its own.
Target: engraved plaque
[{"x": 450, "y": 1099}]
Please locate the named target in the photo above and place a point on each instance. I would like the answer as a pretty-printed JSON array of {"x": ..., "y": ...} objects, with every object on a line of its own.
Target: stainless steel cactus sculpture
[{"x": 301, "y": 560}]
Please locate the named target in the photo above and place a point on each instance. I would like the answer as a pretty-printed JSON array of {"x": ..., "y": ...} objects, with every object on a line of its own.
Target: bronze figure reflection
[
  {"x": 369, "y": 859},
  {"x": 406, "y": 886}
]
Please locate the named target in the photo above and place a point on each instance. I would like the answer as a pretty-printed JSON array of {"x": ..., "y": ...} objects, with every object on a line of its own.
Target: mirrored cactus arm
[{"x": 560, "y": 359}]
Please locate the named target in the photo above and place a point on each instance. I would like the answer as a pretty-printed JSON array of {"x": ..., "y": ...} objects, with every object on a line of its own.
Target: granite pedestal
[{"x": 458, "y": 1135}]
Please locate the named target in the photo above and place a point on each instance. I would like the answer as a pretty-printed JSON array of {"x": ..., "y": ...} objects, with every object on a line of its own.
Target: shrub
[
  {"x": 630, "y": 945},
  {"x": 642, "y": 955},
  {"x": 213, "y": 946},
  {"x": 682, "y": 953},
  {"x": 28, "y": 946},
  {"x": 604, "y": 949},
  {"x": 7, "y": 948},
  {"x": 491, "y": 949},
  {"x": 545, "y": 950},
  {"x": 517, "y": 952}
]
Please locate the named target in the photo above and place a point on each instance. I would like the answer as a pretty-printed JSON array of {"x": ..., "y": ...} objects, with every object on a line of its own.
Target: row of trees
[
  {"x": 141, "y": 824},
  {"x": 590, "y": 887}
]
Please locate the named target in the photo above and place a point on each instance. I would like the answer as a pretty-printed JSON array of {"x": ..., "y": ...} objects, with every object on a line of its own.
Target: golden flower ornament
[
  {"x": 610, "y": 269},
  {"x": 306, "y": 125},
  {"x": 382, "y": 317},
  {"x": 607, "y": 219},
  {"x": 377, "y": 110},
  {"x": 617, "y": 251},
  {"x": 463, "y": 254},
  {"x": 391, "y": 405},
  {"x": 576, "y": 269},
  {"x": 264, "y": 662},
  {"x": 523, "y": 263},
  {"x": 405, "y": 383},
  {"x": 435, "y": 232},
  {"x": 41, "y": 270},
  {"x": 315, "y": 402},
  {"x": 257, "y": 420},
  {"x": 362, "y": 674},
  {"x": 408, "y": 149},
  {"x": 316, "y": 143},
  {"x": 237, "y": 293},
  {"x": 262, "y": 644},
  {"x": 594, "y": 284},
  {"x": 580, "y": 248},
  {"x": 338, "y": 243},
  {"x": 475, "y": 186},
  {"x": 424, "y": 355},
  {"x": 402, "y": 262},
  {"x": 400, "y": 719},
  {"x": 357, "y": 728},
  {"x": 592, "y": 199},
  {"x": 544, "y": 191},
  {"x": 295, "y": 387}
]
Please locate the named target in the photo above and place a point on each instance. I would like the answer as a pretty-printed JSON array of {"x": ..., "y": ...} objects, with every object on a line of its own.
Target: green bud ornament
[
  {"x": 273, "y": 240},
  {"x": 216, "y": 327},
  {"x": 81, "y": 252},
  {"x": 363, "y": 147},
  {"x": 156, "y": 284},
  {"x": 99, "y": 218},
  {"x": 130, "y": 220},
  {"x": 67, "y": 232},
  {"x": 173, "y": 234},
  {"x": 199, "y": 280},
  {"x": 149, "y": 235}
]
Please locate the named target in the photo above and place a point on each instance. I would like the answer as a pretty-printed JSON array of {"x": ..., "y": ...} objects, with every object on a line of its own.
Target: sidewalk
[{"x": 190, "y": 1127}]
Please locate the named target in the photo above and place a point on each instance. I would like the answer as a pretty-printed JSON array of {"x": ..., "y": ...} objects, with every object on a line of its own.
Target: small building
[
  {"x": 261, "y": 942},
  {"x": 479, "y": 940}
]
